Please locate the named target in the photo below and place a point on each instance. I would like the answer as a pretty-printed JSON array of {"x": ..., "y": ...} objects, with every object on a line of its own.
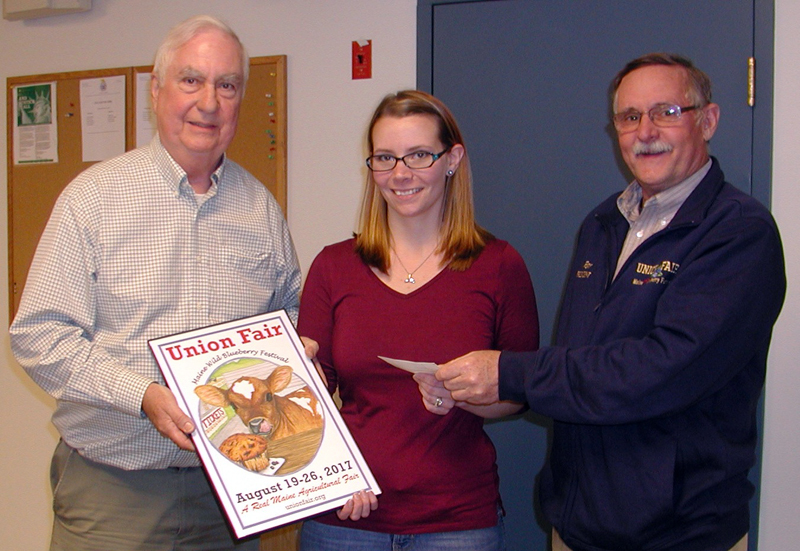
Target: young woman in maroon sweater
[{"x": 420, "y": 281}]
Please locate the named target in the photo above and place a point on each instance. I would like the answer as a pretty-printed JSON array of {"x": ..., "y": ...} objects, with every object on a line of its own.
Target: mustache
[{"x": 640, "y": 148}]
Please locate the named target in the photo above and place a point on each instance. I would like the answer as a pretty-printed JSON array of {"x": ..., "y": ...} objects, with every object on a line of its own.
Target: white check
[{"x": 412, "y": 367}]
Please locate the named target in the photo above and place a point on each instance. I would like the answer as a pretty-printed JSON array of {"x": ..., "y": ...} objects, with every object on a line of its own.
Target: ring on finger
[{"x": 438, "y": 402}]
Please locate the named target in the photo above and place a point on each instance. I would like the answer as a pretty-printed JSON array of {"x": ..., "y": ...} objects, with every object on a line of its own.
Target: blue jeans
[{"x": 322, "y": 537}]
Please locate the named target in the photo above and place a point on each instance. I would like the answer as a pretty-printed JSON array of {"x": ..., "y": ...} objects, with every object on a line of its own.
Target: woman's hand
[
  {"x": 435, "y": 397},
  {"x": 358, "y": 506},
  {"x": 311, "y": 348},
  {"x": 433, "y": 390}
]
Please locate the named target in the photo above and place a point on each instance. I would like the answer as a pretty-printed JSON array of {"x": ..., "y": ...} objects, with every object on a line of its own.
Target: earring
[{"x": 449, "y": 172}]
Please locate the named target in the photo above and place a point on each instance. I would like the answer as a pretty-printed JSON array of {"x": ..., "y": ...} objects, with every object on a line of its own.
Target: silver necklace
[{"x": 410, "y": 277}]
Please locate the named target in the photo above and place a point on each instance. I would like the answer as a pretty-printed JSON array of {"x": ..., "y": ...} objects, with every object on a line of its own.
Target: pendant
[{"x": 409, "y": 279}]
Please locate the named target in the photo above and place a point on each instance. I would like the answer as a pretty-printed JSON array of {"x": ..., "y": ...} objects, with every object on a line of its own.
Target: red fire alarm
[{"x": 362, "y": 59}]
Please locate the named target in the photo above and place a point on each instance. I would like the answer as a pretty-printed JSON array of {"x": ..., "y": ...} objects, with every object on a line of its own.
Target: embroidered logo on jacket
[
  {"x": 586, "y": 272},
  {"x": 657, "y": 273}
]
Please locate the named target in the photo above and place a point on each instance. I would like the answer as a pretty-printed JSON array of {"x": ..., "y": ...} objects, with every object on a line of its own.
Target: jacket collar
[{"x": 693, "y": 210}]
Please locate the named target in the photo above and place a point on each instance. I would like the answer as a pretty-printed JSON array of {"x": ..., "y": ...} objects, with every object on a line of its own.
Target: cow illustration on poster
[{"x": 261, "y": 415}]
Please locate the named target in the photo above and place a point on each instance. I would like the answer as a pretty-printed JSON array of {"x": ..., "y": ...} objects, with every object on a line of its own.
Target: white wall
[
  {"x": 327, "y": 115},
  {"x": 780, "y": 489}
]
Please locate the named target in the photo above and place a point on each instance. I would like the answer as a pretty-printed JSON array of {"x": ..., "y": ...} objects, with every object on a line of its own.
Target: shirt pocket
[{"x": 246, "y": 281}]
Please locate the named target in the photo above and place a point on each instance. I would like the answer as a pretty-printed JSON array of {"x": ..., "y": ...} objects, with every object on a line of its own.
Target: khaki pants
[
  {"x": 559, "y": 545},
  {"x": 102, "y": 508}
]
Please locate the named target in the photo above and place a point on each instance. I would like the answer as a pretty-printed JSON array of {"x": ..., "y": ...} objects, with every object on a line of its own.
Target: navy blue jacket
[{"x": 654, "y": 378}]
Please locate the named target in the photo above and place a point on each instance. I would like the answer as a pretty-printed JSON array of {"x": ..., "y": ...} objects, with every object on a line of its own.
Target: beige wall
[
  {"x": 780, "y": 490},
  {"x": 327, "y": 115}
]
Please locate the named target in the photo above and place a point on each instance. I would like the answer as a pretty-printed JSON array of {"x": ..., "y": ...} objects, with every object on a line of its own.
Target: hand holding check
[{"x": 473, "y": 377}]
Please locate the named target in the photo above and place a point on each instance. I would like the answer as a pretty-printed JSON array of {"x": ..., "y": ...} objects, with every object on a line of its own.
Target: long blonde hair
[{"x": 461, "y": 239}]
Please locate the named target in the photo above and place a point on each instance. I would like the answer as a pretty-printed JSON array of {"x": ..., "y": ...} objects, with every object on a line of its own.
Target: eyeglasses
[
  {"x": 418, "y": 159},
  {"x": 662, "y": 115}
]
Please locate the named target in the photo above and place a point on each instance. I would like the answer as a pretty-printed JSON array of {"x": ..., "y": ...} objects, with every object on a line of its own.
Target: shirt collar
[
  {"x": 174, "y": 175},
  {"x": 667, "y": 202}
]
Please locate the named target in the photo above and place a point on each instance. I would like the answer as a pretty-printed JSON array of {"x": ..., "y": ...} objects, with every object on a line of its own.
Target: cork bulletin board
[{"x": 259, "y": 146}]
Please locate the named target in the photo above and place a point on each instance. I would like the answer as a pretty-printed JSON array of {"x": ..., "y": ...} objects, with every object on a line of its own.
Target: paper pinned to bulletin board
[
  {"x": 102, "y": 117},
  {"x": 35, "y": 123}
]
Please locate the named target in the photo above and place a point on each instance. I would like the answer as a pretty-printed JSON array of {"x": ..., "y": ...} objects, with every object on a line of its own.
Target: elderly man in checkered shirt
[{"x": 163, "y": 239}]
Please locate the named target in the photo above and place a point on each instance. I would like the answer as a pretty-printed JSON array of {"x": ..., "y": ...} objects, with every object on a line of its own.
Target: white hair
[{"x": 183, "y": 32}]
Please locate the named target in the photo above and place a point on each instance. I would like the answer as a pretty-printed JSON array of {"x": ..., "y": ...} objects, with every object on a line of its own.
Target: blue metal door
[{"x": 528, "y": 81}]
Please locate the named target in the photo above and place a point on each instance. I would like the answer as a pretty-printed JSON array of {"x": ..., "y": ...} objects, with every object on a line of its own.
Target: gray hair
[
  {"x": 183, "y": 32},
  {"x": 699, "y": 91}
]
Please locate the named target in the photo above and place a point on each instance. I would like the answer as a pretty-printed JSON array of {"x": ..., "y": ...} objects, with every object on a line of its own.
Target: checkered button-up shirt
[{"x": 131, "y": 253}]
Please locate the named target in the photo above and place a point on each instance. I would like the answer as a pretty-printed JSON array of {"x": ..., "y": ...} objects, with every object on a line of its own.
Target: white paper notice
[
  {"x": 241, "y": 382},
  {"x": 35, "y": 124},
  {"x": 103, "y": 117},
  {"x": 412, "y": 367},
  {"x": 145, "y": 117}
]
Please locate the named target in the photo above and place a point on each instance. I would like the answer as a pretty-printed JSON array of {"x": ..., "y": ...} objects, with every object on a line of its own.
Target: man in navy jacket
[{"x": 660, "y": 352}]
